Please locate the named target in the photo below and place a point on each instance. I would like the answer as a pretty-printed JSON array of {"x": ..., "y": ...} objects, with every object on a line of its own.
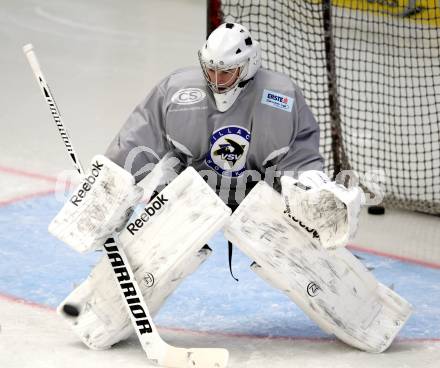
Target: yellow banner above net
[{"x": 421, "y": 11}]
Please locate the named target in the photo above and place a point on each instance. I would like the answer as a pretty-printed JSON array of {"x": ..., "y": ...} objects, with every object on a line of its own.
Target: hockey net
[{"x": 370, "y": 71}]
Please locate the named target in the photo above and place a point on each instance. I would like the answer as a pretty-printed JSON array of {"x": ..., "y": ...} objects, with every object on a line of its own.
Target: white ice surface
[{"x": 33, "y": 337}]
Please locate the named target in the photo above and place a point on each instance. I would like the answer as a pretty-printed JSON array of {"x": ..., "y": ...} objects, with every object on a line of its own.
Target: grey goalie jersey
[{"x": 267, "y": 131}]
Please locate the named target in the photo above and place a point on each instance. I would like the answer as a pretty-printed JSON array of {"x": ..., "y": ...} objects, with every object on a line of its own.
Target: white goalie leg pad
[
  {"x": 283, "y": 285},
  {"x": 163, "y": 245},
  {"x": 331, "y": 286},
  {"x": 96, "y": 311},
  {"x": 99, "y": 205}
]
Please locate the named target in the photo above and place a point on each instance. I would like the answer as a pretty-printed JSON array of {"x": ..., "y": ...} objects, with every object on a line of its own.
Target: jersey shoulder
[
  {"x": 185, "y": 78},
  {"x": 184, "y": 86},
  {"x": 272, "y": 80}
]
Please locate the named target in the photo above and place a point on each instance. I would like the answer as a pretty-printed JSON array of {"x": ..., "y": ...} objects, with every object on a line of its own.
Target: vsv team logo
[{"x": 229, "y": 147}]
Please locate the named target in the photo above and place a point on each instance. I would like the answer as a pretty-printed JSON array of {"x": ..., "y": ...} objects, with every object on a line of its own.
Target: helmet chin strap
[{"x": 224, "y": 101}]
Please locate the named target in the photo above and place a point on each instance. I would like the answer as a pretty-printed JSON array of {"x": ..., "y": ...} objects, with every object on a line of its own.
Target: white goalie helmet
[{"x": 229, "y": 58}]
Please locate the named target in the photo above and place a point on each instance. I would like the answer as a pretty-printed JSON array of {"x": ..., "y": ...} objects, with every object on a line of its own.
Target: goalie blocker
[
  {"x": 100, "y": 205},
  {"x": 331, "y": 286}
]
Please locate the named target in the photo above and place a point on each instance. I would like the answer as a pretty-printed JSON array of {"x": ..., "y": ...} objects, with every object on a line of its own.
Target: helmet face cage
[{"x": 237, "y": 71}]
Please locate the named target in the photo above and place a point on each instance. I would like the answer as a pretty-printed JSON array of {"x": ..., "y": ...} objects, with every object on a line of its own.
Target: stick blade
[{"x": 195, "y": 358}]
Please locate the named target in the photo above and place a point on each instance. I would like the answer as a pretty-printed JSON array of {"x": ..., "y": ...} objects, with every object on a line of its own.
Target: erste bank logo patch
[
  {"x": 229, "y": 148},
  {"x": 277, "y": 100}
]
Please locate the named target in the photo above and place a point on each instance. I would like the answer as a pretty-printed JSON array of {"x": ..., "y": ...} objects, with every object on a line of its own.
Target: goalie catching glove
[
  {"x": 325, "y": 208},
  {"x": 100, "y": 205}
]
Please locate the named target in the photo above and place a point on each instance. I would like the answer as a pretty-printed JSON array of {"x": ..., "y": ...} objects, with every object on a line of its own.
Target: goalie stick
[{"x": 155, "y": 347}]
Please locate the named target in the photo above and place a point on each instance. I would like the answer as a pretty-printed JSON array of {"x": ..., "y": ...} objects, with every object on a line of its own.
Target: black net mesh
[{"x": 370, "y": 71}]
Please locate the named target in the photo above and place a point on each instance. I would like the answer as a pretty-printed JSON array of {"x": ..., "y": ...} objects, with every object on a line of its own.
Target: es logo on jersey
[
  {"x": 277, "y": 100},
  {"x": 229, "y": 147},
  {"x": 188, "y": 96}
]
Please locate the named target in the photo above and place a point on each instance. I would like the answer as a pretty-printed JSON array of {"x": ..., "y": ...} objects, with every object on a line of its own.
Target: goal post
[{"x": 370, "y": 71}]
